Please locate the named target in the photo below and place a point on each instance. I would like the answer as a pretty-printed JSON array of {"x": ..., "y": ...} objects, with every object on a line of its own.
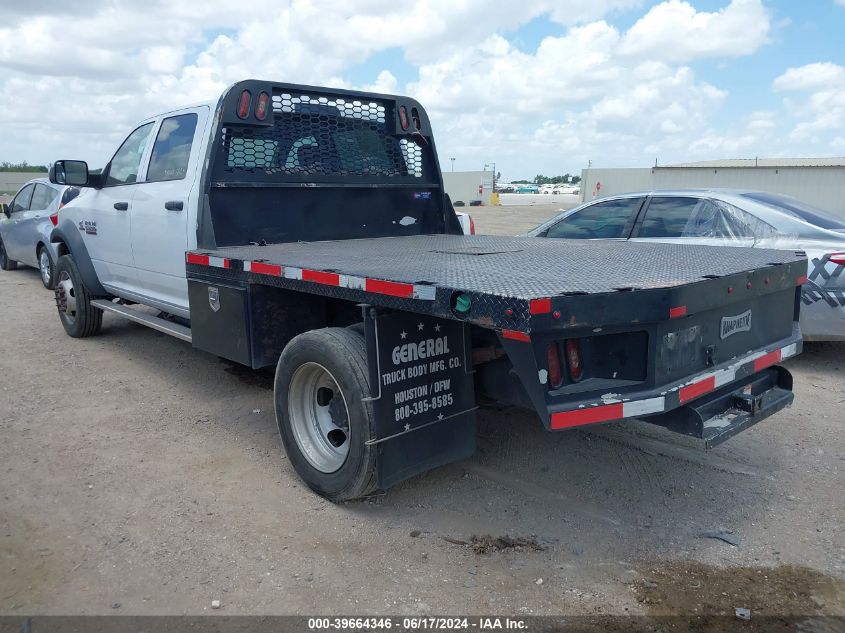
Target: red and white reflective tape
[
  {"x": 607, "y": 412},
  {"x": 700, "y": 385},
  {"x": 207, "y": 260},
  {"x": 710, "y": 382},
  {"x": 262, "y": 268},
  {"x": 325, "y": 278}
]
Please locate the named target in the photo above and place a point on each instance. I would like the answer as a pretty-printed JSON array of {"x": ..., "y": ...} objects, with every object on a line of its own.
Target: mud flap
[
  {"x": 423, "y": 394},
  {"x": 722, "y": 414}
]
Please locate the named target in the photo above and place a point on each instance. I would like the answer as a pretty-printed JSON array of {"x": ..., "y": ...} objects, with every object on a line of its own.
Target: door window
[
  {"x": 22, "y": 200},
  {"x": 672, "y": 217},
  {"x": 43, "y": 197},
  {"x": 172, "y": 149},
  {"x": 124, "y": 167},
  {"x": 601, "y": 220}
]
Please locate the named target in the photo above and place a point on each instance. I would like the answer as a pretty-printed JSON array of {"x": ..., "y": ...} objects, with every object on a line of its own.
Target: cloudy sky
[{"x": 538, "y": 86}]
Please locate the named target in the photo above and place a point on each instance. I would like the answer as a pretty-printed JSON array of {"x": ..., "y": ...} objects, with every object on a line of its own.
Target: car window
[
  {"x": 601, "y": 220},
  {"x": 671, "y": 216},
  {"x": 22, "y": 200},
  {"x": 798, "y": 209},
  {"x": 124, "y": 167},
  {"x": 43, "y": 197},
  {"x": 172, "y": 149}
]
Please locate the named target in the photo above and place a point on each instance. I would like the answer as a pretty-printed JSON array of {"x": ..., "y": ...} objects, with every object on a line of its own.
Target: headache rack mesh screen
[{"x": 323, "y": 137}]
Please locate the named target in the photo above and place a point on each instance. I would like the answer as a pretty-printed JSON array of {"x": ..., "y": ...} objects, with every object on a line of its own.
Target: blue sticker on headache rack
[{"x": 422, "y": 195}]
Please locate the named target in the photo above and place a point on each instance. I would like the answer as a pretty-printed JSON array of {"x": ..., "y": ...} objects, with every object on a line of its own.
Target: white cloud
[
  {"x": 588, "y": 91},
  {"x": 818, "y": 109},
  {"x": 810, "y": 76},
  {"x": 675, "y": 31}
]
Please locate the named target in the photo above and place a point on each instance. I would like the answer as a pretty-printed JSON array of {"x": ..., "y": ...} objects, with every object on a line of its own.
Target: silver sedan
[
  {"x": 26, "y": 225},
  {"x": 728, "y": 218}
]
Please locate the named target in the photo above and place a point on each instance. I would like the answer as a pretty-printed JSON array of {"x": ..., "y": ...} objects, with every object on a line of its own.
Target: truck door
[
  {"x": 163, "y": 206},
  {"x": 104, "y": 215},
  {"x": 14, "y": 229}
]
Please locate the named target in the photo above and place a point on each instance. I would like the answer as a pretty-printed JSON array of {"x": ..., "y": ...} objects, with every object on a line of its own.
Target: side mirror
[
  {"x": 69, "y": 172},
  {"x": 4, "y": 208}
]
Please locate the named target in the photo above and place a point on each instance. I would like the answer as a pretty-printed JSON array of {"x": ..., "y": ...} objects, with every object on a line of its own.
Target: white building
[
  {"x": 467, "y": 186},
  {"x": 819, "y": 181}
]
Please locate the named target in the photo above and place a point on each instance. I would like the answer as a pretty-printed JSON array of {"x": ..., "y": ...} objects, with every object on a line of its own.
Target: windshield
[{"x": 798, "y": 209}]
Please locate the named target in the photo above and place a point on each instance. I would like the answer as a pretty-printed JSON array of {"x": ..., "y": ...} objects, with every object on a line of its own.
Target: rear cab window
[
  {"x": 325, "y": 140},
  {"x": 611, "y": 219}
]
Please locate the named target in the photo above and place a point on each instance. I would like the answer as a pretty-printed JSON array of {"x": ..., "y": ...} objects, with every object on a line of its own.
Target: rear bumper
[
  {"x": 723, "y": 379},
  {"x": 722, "y": 414}
]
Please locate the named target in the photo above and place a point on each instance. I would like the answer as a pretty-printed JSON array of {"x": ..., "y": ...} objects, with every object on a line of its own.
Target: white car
[
  {"x": 566, "y": 189},
  {"x": 467, "y": 223},
  {"x": 728, "y": 218}
]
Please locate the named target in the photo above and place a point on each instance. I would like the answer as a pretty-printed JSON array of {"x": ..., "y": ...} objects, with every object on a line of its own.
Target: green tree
[{"x": 22, "y": 166}]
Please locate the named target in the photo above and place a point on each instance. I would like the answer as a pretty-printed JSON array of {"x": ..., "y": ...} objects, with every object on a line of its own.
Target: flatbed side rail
[{"x": 514, "y": 318}]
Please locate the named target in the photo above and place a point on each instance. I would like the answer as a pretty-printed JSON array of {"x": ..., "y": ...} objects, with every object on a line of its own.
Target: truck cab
[{"x": 136, "y": 222}]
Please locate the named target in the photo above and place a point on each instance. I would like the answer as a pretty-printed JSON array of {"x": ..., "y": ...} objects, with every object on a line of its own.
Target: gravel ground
[{"x": 142, "y": 476}]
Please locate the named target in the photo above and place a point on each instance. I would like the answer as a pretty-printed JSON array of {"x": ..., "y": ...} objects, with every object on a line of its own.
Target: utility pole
[{"x": 453, "y": 163}]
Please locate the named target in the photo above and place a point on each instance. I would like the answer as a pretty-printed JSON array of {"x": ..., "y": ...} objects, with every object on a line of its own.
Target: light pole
[
  {"x": 486, "y": 165},
  {"x": 453, "y": 163}
]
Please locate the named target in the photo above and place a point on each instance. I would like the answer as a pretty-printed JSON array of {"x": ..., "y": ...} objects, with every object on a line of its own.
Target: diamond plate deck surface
[{"x": 518, "y": 267}]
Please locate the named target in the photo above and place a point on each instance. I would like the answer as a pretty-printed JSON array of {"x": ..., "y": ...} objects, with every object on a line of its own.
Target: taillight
[
  {"x": 403, "y": 117},
  {"x": 555, "y": 371},
  {"x": 837, "y": 258},
  {"x": 471, "y": 225},
  {"x": 243, "y": 104},
  {"x": 54, "y": 217},
  {"x": 573, "y": 360},
  {"x": 261, "y": 106}
]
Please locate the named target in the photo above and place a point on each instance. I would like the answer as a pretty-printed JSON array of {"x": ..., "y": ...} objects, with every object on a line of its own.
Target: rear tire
[
  {"x": 324, "y": 417},
  {"x": 5, "y": 262},
  {"x": 46, "y": 268},
  {"x": 73, "y": 301}
]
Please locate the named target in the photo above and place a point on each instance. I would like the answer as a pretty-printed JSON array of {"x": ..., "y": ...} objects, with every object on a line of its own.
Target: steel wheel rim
[
  {"x": 319, "y": 417},
  {"x": 44, "y": 264},
  {"x": 66, "y": 296}
]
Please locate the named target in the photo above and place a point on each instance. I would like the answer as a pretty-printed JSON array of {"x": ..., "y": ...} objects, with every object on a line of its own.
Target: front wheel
[
  {"x": 5, "y": 262},
  {"x": 78, "y": 316},
  {"x": 46, "y": 268},
  {"x": 324, "y": 414}
]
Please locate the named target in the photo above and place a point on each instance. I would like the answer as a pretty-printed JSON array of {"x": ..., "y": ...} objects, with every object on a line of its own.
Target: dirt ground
[{"x": 140, "y": 476}]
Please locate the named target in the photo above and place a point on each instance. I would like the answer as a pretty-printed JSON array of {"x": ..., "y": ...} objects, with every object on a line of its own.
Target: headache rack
[{"x": 351, "y": 165}]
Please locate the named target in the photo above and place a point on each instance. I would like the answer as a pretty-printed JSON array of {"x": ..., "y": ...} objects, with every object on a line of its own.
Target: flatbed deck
[{"x": 503, "y": 273}]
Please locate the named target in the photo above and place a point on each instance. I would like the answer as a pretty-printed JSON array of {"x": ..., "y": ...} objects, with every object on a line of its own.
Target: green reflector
[{"x": 463, "y": 303}]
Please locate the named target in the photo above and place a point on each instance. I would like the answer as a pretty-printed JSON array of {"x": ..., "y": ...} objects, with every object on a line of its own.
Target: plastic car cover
[{"x": 720, "y": 220}]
